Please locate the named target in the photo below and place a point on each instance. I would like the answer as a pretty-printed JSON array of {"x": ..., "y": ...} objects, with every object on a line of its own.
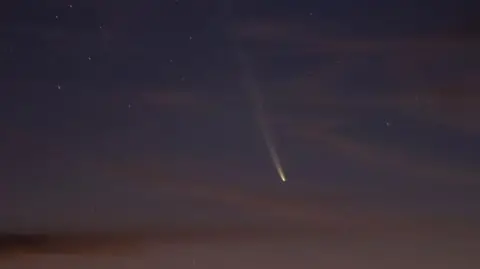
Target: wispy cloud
[
  {"x": 266, "y": 30},
  {"x": 326, "y": 217},
  {"x": 173, "y": 98},
  {"x": 323, "y": 133},
  {"x": 414, "y": 85},
  {"x": 331, "y": 39},
  {"x": 295, "y": 219}
]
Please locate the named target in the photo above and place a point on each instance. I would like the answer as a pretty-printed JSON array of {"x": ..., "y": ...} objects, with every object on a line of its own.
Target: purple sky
[{"x": 123, "y": 116}]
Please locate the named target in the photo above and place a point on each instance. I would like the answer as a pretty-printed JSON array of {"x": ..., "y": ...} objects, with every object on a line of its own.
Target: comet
[
  {"x": 260, "y": 115},
  {"x": 250, "y": 83},
  {"x": 265, "y": 130}
]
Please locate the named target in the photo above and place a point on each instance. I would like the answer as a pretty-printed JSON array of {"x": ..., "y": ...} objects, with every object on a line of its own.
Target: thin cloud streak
[
  {"x": 380, "y": 158},
  {"x": 172, "y": 98},
  {"x": 321, "y": 41}
]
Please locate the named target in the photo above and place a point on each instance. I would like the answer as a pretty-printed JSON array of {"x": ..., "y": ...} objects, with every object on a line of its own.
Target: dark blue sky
[{"x": 372, "y": 105}]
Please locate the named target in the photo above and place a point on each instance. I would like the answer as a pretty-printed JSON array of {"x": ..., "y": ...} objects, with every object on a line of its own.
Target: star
[
  {"x": 70, "y": 6},
  {"x": 170, "y": 61},
  {"x": 129, "y": 106},
  {"x": 89, "y": 58},
  {"x": 310, "y": 13},
  {"x": 190, "y": 37},
  {"x": 387, "y": 123},
  {"x": 56, "y": 17},
  {"x": 59, "y": 86}
]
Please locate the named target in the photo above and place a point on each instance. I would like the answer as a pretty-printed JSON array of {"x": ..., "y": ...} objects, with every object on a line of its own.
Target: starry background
[{"x": 122, "y": 115}]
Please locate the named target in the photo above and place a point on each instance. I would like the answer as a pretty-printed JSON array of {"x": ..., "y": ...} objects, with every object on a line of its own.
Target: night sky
[{"x": 137, "y": 117}]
